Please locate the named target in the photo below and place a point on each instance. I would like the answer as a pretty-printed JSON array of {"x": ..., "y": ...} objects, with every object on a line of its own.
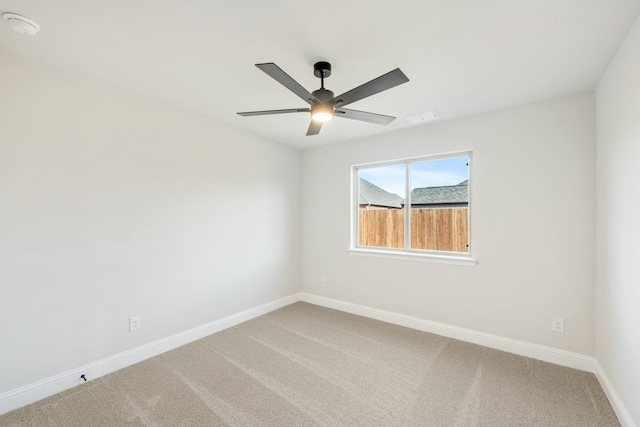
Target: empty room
[{"x": 287, "y": 213}]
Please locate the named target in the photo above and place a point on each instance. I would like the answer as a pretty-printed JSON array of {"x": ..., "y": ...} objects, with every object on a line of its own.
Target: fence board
[
  {"x": 441, "y": 229},
  {"x": 381, "y": 228}
]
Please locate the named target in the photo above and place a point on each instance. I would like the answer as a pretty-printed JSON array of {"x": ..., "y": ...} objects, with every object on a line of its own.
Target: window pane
[
  {"x": 440, "y": 205},
  {"x": 380, "y": 206}
]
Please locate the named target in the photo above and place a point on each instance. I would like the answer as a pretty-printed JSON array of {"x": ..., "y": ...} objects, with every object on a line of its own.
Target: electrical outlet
[
  {"x": 323, "y": 283},
  {"x": 557, "y": 325},
  {"x": 134, "y": 323}
]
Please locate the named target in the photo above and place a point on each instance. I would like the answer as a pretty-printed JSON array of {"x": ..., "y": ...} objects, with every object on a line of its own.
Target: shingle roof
[
  {"x": 370, "y": 194},
  {"x": 441, "y": 195}
]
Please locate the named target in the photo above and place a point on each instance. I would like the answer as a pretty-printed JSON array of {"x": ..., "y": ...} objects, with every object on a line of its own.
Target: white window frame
[{"x": 407, "y": 253}]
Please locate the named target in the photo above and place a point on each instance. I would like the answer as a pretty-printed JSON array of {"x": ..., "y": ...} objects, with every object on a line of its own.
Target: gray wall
[
  {"x": 532, "y": 226},
  {"x": 112, "y": 206},
  {"x": 618, "y": 229}
]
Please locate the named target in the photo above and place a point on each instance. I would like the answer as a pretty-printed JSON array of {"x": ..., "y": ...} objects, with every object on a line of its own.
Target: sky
[{"x": 434, "y": 173}]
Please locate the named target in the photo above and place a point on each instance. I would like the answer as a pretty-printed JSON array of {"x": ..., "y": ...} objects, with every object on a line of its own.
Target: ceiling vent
[
  {"x": 21, "y": 24},
  {"x": 423, "y": 117}
]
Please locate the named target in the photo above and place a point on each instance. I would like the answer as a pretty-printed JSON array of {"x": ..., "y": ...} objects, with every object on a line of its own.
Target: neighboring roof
[
  {"x": 370, "y": 194},
  {"x": 441, "y": 195}
]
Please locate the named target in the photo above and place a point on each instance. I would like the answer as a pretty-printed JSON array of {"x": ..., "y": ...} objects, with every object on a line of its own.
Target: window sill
[{"x": 414, "y": 256}]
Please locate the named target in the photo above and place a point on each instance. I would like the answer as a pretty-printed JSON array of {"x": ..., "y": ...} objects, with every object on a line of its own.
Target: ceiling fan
[{"x": 323, "y": 104}]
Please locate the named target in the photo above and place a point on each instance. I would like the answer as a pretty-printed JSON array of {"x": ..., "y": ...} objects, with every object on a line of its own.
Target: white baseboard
[
  {"x": 39, "y": 390},
  {"x": 616, "y": 403},
  {"x": 547, "y": 354}
]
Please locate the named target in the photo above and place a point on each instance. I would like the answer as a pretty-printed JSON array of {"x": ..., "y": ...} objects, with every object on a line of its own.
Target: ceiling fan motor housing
[{"x": 323, "y": 95}]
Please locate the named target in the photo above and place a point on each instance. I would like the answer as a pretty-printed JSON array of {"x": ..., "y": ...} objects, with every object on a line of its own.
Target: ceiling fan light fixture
[{"x": 321, "y": 113}]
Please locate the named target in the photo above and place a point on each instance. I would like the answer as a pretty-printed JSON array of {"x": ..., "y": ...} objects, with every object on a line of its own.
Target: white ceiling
[{"x": 462, "y": 56}]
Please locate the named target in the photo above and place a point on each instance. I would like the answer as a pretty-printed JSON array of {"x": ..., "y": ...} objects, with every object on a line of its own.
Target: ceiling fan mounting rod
[{"x": 322, "y": 70}]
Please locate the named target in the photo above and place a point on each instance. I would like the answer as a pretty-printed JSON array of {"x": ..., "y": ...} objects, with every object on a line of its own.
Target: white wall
[
  {"x": 618, "y": 222},
  {"x": 112, "y": 205},
  {"x": 533, "y": 224}
]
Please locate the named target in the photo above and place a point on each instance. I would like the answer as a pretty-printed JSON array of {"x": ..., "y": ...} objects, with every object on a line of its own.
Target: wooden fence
[{"x": 440, "y": 229}]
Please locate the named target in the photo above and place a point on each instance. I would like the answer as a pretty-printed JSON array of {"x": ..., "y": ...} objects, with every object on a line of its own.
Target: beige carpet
[{"x": 305, "y": 365}]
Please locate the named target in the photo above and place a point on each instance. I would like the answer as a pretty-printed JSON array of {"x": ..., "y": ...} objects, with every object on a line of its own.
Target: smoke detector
[{"x": 21, "y": 24}]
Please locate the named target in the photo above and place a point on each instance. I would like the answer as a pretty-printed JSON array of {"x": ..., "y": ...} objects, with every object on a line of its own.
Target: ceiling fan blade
[
  {"x": 314, "y": 128},
  {"x": 285, "y": 80},
  {"x": 364, "y": 116},
  {"x": 377, "y": 85},
  {"x": 267, "y": 112}
]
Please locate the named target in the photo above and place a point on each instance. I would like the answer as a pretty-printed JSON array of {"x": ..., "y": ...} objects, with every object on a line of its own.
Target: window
[{"x": 415, "y": 207}]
